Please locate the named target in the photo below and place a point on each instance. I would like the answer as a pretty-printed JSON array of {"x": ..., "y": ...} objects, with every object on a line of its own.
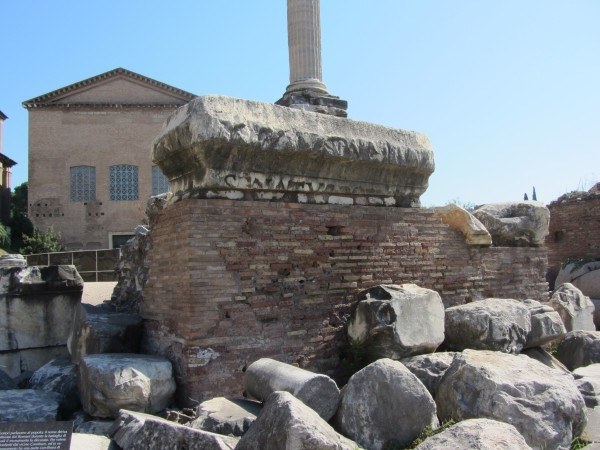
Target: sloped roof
[
  {"x": 3, "y": 116},
  {"x": 6, "y": 161},
  {"x": 53, "y": 98}
]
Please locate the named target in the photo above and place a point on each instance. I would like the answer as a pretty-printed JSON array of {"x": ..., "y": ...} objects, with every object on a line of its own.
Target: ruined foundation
[{"x": 279, "y": 217}]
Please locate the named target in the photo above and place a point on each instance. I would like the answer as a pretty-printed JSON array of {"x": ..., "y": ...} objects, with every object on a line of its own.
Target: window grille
[
  {"x": 123, "y": 181},
  {"x": 83, "y": 183},
  {"x": 160, "y": 183}
]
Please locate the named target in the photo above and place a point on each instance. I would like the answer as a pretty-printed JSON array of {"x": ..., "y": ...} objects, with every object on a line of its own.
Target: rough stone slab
[
  {"x": 587, "y": 380},
  {"x": 585, "y": 277},
  {"x": 37, "y": 306},
  {"x": 476, "y": 434},
  {"x": 221, "y": 143},
  {"x": 317, "y": 391},
  {"x": 98, "y": 427},
  {"x": 82, "y": 441},
  {"x": 27, "y": 405},
  {"x": 575, "y": 309},
  {"x": 6, "y": 381},
  {"x": 460, "y": 219},
  {"x": 385, "y": 405},
  {"x": 515, "y": 224},
  {"x": 430, "y": 368},
  {"x": 116, "y": 381},
  {"x": 138, "y": 431},
  {"x": 397, "y": 321},
  {"x": 287, "y": 423},
  {"x": 579, "y": 348},
  {"x": 228, "y": 416},
  {"x": 546, "y": 324},
  {"x": 97, "y": 331},
  {"x": 541, "y": 355},
  {"x": 60, "y": 376},
  {"x": 592, "y": 430},
  {"x": 489, "y": 324},
  {"x": 542, "y": 403}
]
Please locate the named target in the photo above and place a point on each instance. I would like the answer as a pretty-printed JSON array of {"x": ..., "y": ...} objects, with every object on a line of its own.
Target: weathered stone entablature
[{"x": 220, "y": 147}]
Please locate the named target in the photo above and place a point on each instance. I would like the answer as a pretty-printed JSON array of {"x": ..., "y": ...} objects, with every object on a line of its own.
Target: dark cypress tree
[
  {"x": 525, "y": 196},
  {"x": 534, "y": 197}
]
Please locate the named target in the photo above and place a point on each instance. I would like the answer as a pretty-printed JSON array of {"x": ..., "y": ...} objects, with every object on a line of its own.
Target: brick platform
[{"x": 233, "y": 281}]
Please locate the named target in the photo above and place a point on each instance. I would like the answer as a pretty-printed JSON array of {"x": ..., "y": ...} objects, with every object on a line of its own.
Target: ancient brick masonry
[
  {"x": 574, "y": 229},
  {"x": 234, "y": 281}
]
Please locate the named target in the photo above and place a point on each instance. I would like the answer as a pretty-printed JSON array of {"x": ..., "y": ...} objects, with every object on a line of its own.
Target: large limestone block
[
  {"x": 220, "y": 144},
  {"x": 229, "y": 416},
  {"x": 14, "y": 260},
  {"x": 542, "y": 403},
  {"x": 546, "y": 324},
  {"x": 383, "y": 405},
  {"x": 37, "y": 306},
  {"x": 579, "y": 348},
  {"x": 60, "y": 376},
  {"x": 319, "y": 392},
  {"x": 98, "y": 331},
  {"x": 575, "y": 309},
  {"x": 585, "y": 277},
  {"x": 28, "y": 405},
  {"x": 397, "y": 321},
  {"x": 287, "y": 423},
  {"x": 114, "y": 381},
  {"x": 587, "y": 380},
  {"x": 137, "y": 431},
  {"x": 460, "y": 219},
  {"x": 547, "y": 359},
  {"x": 490, "y": 324},
  {"x": 430, "y": 368},
  {"x": 476, "y": 434},
  {"x": 518, "y": 224}
]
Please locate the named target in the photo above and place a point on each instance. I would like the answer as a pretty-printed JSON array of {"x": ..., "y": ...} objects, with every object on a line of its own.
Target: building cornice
[
  {"x": 50, "y": 98},
  {"x": 102, "y": 106}
]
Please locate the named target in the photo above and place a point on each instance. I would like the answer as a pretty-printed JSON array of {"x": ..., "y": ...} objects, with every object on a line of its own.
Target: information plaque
[{"x": 36, "y": 435}]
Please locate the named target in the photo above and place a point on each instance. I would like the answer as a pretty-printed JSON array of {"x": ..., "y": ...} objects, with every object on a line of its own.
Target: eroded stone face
[{"x": 220, "y": 147}]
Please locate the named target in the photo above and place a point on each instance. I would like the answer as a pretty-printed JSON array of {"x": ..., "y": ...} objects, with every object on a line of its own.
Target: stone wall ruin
[{"x": 238, "y": 274}]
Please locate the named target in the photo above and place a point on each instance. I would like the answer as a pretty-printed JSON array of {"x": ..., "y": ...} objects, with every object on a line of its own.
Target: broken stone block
[
  {"x": 541, "y": 355},
  {"x": 579, "y": 348},
  {"x": 6, "y": 382},
  {"x": 385, "y": 405},
  {"x": 543, "y": 404},
  {"x": 546, "y": 324},
  {"x": 137, "y": 431},
  {"x": 96, "y": 330},
  {"x": 217, "y": 146},
  {"x": 430, "y": 368},
  {"x": 14, "y": 260},
  {"x": 517, "y": 224},
  {"x": 396, "y": 321},
  {"x": 585, "y": 277},
  {"x": 587, "y": 380},
  {"x": 60, "y": 376},
  {"x": 114, "y": 381},
  {"x": 287, "y": 423},
  {"x": 38, "y": 305},
  {"x": 28, "y": 405},
  {"x": 476, "y": 434},
  {"x": 228, "y": 416},
  {"x": 460, "y": 219},
  {"x": 575, "y": 309},
  {"x": 317, "y": 391},
  {"x": 490, "y": 324}
]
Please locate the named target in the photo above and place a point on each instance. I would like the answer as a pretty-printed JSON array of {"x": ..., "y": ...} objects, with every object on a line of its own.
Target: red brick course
[
  {"x": 574, "y": 231},
  {"x": 251, "y": 279}
]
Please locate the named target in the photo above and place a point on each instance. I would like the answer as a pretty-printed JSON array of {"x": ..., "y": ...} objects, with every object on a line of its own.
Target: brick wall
[
  {"x": 233, "y": 281},
  {"x": 574, "y": 230}
]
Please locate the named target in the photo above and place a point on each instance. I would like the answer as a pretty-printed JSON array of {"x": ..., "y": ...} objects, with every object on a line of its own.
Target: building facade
[
  {"x": 5, "y": 165},
  {"x": 90, "y": 167}
]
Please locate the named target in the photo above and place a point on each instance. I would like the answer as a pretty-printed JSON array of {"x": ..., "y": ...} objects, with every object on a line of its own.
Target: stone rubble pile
[{"x": 498, "y": 385}]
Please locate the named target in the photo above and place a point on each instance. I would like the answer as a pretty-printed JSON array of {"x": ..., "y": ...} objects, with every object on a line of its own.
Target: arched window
[
  {"x": 123, "y": 182},
  {"x": 160, "y": 183},
  {"x": 83, "y": 183}
]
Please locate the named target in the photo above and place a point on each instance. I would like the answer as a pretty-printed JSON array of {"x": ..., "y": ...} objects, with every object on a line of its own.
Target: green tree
[
  {"x": 41, "y": 242},
  {"x": 19, "y": 223}
]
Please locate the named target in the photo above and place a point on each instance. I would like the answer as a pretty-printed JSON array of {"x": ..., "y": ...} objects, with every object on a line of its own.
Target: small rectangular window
[
  {"x": 160, "y": 183},
  {"x": 123, "y": 182},
  {"x": 83, "y": 183}
]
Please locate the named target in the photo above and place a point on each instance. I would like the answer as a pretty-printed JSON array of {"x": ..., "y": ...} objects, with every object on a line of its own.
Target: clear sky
[{"x": 508, "y": 91}]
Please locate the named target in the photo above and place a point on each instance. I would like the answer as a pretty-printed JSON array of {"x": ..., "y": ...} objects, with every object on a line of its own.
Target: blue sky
[{"x": 507, "y": 91}]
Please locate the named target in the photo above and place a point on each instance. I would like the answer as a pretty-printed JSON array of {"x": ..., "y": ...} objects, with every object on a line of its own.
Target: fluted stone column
[{"x": 306, "y": 89}]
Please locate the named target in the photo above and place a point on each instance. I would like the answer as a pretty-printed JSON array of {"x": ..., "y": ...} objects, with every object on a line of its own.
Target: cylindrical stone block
[{"x": 317, "y": 391}]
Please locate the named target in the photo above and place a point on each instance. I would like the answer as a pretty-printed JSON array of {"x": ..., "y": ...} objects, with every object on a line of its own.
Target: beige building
[
  {"x": 90, "y": 168},
  {"x": 5, "y": 164}
]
